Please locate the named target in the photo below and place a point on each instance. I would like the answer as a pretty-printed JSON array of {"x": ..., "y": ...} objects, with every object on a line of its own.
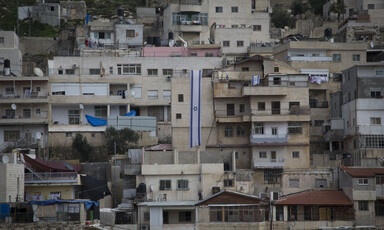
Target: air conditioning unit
[
  {"x": 275, "y": 195},
  {"x": 144, "y": 227},
  {"x": 263, "y": 195},
  {"x": 168, "y": 77}
]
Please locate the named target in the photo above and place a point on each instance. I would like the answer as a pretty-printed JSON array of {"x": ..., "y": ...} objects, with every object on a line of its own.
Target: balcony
[
  {"x": 222, "y": 90},
  {"x": 20, "y": 97},
  {"x": 228, "y": 116},
  {"x": 272, "y": 164},
  {"x": 310, "y": 59},
  {"x": 313, "y": 103},
  {"x": 51, "y": 177},
  {"x": 30, "y": 119},
  {"x": 264, "y": 91},
  {"x": 191, "y": 28},
  {"x": 294, "y": 114},
  {"x": 268, "y": 139}
]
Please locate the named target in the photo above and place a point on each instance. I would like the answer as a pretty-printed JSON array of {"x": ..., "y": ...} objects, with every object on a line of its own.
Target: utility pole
[
  {"x": 114, "y": 174},
  {"x": 17, "y": 19}
]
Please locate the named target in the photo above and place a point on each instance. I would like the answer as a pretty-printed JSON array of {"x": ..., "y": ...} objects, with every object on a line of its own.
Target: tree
[
  {"x": 298, "y": 7},
  {"x": 338, "y": 8},
  {"x": 81, "y": 149},
  {"x": 317, "y": 6},
  {"x": 124, "y": 138},
  {"x": 281, "y": 18}
]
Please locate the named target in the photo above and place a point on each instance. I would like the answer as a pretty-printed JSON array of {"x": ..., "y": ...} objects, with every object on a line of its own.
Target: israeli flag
[
  {"x": 255, "y": 80},
  {"x": 195, "y": 116}
]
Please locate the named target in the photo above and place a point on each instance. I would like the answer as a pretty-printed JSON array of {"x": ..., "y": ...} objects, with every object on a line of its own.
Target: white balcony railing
[{"x": 50, "y": 177}]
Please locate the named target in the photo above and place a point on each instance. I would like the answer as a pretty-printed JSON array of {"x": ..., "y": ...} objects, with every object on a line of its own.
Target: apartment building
[
  {"x": 362, "y": 111},
  {"x": 23, "y": 100},
  {"x": 324, "y": 62},
  {"x": 111, "y": 86},
  {"x": 234, "y": 25}
]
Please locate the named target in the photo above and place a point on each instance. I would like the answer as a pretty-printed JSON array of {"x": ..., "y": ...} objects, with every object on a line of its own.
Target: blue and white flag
[
  {"x": 195, "y": 121},
  {"x": 255, "y": 80}
]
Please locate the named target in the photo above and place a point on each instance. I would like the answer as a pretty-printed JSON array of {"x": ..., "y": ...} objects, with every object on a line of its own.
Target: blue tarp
[
  {"x": 130, "y": 114},
  {"x": 4, "y": 211},
  {"x": 88, "y": 204},
  {"x": 94, "y": 121}
]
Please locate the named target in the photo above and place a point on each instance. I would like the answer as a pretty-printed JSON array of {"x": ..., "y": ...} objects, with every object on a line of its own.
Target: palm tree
[{"x": 337, "y": 7}]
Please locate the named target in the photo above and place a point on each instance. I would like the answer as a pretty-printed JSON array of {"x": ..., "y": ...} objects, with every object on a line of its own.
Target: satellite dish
[
  {"x": 81, "y": 106},
  {"x": 68, "y": 166},
  {"x": 13, "y": 106},
  {"x": 5, "y": 159},
  {"x": 171, "y": 43},
  {"x": 38, "y": 72},
  {"x": 38, "y": 135},
  {"x": 133, "y": 93},
  {"x": 371, "y": 44}
]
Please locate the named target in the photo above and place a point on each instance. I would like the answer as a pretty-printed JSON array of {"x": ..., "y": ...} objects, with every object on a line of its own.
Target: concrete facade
[
  {"x": 12, "y": 180},
  {"x": 9, "y": 49}
]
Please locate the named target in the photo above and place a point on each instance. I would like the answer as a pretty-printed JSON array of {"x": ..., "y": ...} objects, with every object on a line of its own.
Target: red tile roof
[
  {"x": 363, "y": 172},
  {"x": 319, "y": 197},
  {"x": 51, "y": 166},
  {"x": 160, "y": 147}
]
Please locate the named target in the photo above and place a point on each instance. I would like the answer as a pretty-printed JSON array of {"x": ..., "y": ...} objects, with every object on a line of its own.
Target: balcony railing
[
  {"x": 50, "y": 177},
  {"x": 187, "y": 2},
  {"x": 258, "y": 139},
  {"x": 30, "y": 95},
  {"x": 318, "y": 104},
  {"x": 43, "y": 115}
]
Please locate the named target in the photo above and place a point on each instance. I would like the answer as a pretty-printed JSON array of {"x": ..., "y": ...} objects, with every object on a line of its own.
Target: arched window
[
  {"x": 240, "y": 131},
  {"x": 228, "y": 132}
]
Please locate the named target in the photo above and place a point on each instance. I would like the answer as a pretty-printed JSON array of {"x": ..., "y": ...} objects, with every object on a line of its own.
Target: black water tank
[
  {"x": 150, "y": 40},
  {"x": 170, "y": 35},
  {"x": 328, "y": 33},
  {"x": 142, "y": 188},
  {"x": 7, "y": 63},
  {"x": 157, "y": 41},
  {"x": 120, "y": 12}
]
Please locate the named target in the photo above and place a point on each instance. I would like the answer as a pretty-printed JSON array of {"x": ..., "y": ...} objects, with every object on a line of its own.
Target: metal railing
[
  {"x": 318, "y": 104},
  {"x": 31, "y": 95},
  {"x": 187, "y": 2},
  {"x": 51, "y": 177}
]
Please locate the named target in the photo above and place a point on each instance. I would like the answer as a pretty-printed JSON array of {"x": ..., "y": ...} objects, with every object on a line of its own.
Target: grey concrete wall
[
  {"x": 159, "y": 157},
  {"x": 38, "y": 45},
  {"x": 132, "y": 169},
  {"x": 100, "y": 171},
  {"x": 216, "y": 157}
]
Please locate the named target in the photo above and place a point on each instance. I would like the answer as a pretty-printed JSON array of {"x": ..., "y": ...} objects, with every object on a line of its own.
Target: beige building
[
  {"x": 323, "y": 61},
  {"x": 12, "y": 179},
  {"x": 111, "y": 86}
]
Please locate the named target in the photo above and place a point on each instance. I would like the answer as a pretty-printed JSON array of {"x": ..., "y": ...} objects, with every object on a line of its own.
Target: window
[
  {"x": 234, "y": 9},
  {"x": 272, "y": 176},
  {"x": 319, "y": 122},
  {"x": 38, "y": 89},
  {"x": 371, "y": 6},
  {"x": 375, "y": 120},
  {"x": 275, "y": 106},
  {"x": 261, "y": 106},
  {"x": 375, "y": 93},
  {"x": 362, "y": 181},
  {"x": 276, "y": 69},
  {"x": 230, "y": 109},
  {"x": 166, "y": 94},
  {"x": 380, "y": 179},
  {"x": 295, "y": 154},
  {"x": 294, "y": 183},
  {"x": 11, "y": 135},
  {"x": 1, "y": 40},
  {"x": 228, "y": 131},
  {"x": 240, "y": 131},
  {"x": 234, "y": 26},
  {"x": 102, "y": 35},
  {"x": 262, "y": 154},
  {"x": 256, "y": 27},
  {"x": 219, "y": 9},
  {"x": 69, "y": 134},
  {"x": 241, "y": 108},
  {"x": 237, "y": 214},
  {"x": 226, "y": 43},
  {"x": 165, "y": 184},
  {"x": 336, "y": 58},
  {"x": 185, "y": 216},
  {"x": 74, "y": 116},
  {"x": 356, "y": 57},
  {"x": 193, "y": 54},
  {"x": 153, "y": 94},
  {"x": 70, "y": 71},
  {"x": 94, "y": 71},
  {"x": 276, "y": 81},
  {"x": 379, "y": 208},
  {"x": 9, "y": 90},
  {"x": 245, "y": 69},
  {"x": 167, "y": 72},
  {"x": 182, "y": 184},
  {"x": 101, "y": 111},
  {"x": 216, "y": 214},
  {"x": 60, "y": 71},
  {"x": 27, "y": 113},
  {"x": 178, "y": 115},
  {"x": 10, "y": 113},
  {"x": 240, "y": 43},
  {"x": 228, "y": 182},
  {"x": 373, "y": 141},
  {"x": 274, "y": 130},
  {"x": 295, "y": 127},
  {"x": 38, "y": 111},
  {"x": 379, "y": 72},
  {"x": 363, "y": 205},
  {"x": 152, "y": 72},
  {"x": 258, "y": 128},
  {"x": 130, "y": 33},
  {"x": 129, "y": 69},
  {"x": 180, "y": 97}
]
